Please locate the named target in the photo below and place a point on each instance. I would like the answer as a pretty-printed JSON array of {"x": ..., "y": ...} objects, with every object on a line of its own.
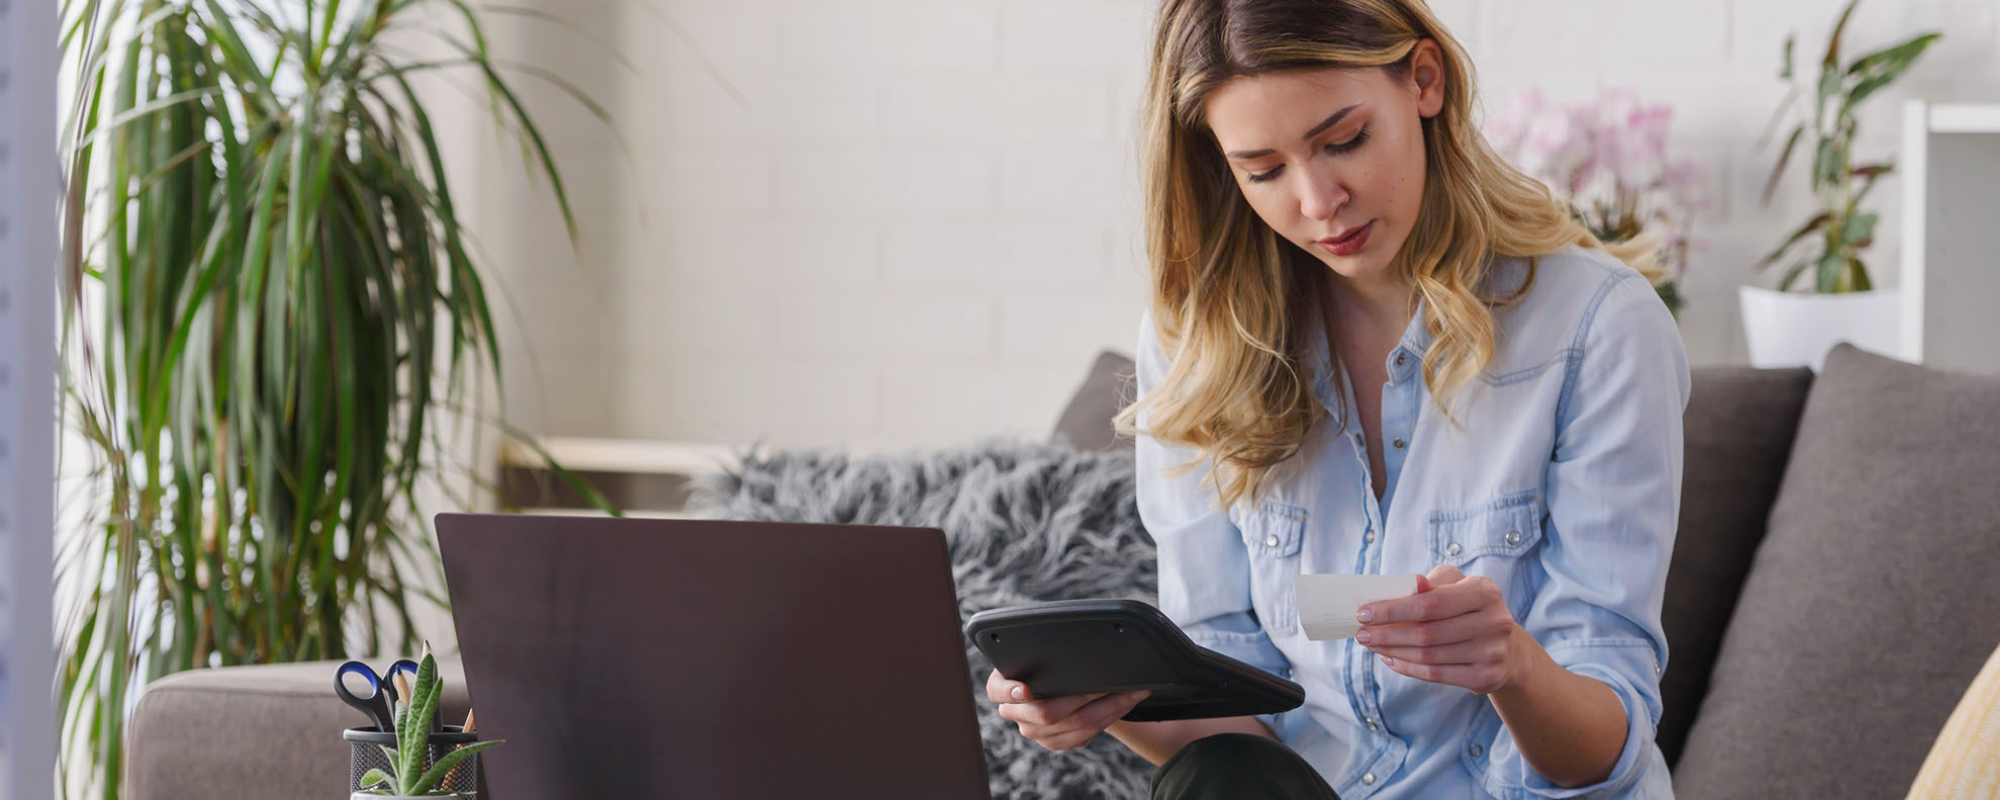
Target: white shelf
[
  {"x": 1965, "y": 118},
  {"x": 641, "y": 456},
  {"x": 648, "y": 457},
  {"x": 1950, "y": 157}
]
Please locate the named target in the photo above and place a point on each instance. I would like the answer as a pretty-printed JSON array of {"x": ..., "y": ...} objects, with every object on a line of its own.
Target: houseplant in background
[
  {"x": 1608, "y": 159},
  {"x": 1824, "y": 293},
  {"x": 272, "y": 323}
]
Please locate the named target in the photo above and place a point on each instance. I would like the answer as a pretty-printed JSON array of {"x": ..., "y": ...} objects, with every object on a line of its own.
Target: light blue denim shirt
[{"x": 1562, "y": 485}]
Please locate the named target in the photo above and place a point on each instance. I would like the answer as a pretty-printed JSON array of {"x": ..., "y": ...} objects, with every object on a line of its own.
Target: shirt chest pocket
[
  {"x": 1273, "y": 533},
  {"x": 1492, "y": 540}
]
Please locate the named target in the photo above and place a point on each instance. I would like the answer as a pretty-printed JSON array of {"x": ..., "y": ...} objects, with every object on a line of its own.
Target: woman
[{"x": 1373, "y": 347}]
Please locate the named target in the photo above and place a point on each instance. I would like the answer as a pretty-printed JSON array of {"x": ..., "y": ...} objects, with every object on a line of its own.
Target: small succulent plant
[{"x": 413, "y": 726}]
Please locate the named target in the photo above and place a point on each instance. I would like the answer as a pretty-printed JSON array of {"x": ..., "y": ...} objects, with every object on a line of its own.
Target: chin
[{"x": 1366, "y": 266}]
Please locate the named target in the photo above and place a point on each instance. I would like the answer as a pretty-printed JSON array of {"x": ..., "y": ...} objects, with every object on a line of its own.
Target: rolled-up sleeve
[
  {"x": 1613, "y": 492},
  {"x": 1204, "y": 569}
]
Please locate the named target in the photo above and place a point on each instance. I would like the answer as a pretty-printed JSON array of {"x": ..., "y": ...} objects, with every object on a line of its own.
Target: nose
[{"x": 1321, "y": 196}]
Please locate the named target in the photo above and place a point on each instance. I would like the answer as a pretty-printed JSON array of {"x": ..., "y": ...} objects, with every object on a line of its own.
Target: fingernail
[
  {"x": 1387, "y": 660},
  {"x": 1020, "y": 693},
  {"x": 1363, "y": 637},
  {"x": 1365, "y": 614}
]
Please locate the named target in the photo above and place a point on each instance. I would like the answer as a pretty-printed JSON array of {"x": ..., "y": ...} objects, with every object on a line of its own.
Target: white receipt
[{"x": 1327, "y": 602}]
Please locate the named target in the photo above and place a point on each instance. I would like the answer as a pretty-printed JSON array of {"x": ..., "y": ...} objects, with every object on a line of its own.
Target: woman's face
[{"x": 1333, "y": 159}]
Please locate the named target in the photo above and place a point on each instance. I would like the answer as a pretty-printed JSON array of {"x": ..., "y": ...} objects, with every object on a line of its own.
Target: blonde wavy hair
[{"x": 1231, "y": 297}]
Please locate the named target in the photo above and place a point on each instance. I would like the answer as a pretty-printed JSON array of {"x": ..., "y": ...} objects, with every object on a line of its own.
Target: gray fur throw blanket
[{"x": 1025, "y": 523}]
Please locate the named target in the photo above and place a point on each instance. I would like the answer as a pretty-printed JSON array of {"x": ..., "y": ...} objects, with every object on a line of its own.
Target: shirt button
[
  {"x": 1370, "y": 536},
  {"x": 1271, "y": 540},
  {"x": 1400, "y": 359},
  {"x": 1368, "y": 779},
  {"x": 1476, "y": 750},
  {"x": 1399, "y": 444},
  {"x": 1452, "y": 549},
  {"x": 1513, "y": 537},
  {"x": 1373, "y": 726}
]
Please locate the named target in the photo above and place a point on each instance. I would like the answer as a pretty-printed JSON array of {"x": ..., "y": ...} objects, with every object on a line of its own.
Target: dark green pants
[{"x": 1238, "y": 766}]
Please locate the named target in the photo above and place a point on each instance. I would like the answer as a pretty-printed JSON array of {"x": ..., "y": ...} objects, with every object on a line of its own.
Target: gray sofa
[{"x": 1831, "y": 595}]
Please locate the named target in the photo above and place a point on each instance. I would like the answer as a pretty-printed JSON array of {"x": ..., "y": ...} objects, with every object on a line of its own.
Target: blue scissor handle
[
  {"x": 403, "y": 665},
  {"x": 376, "y": 704}
]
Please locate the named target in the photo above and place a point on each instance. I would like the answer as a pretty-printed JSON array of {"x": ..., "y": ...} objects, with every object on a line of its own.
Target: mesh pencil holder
[{"x": 365, "y": 746}]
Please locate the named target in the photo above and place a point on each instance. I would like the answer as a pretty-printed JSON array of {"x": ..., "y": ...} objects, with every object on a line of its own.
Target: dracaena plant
[
  {"x": 411, "y": 775},
  {"x": 271, "y": 309},
  {"x": 1829, "y": 245}
]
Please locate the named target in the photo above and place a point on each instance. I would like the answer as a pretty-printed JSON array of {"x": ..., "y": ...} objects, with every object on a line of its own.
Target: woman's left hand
[{"x": 1455, "y": 630}]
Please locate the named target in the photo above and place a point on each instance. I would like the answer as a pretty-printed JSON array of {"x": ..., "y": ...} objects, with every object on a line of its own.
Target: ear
[{"x": 1427, "y": 76}]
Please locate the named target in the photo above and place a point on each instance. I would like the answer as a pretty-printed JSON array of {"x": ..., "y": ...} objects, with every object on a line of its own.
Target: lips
[{"x": 1349, "y": 243}]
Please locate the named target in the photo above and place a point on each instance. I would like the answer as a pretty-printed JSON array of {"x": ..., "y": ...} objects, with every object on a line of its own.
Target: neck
[{"x": 1380, "y": 302}]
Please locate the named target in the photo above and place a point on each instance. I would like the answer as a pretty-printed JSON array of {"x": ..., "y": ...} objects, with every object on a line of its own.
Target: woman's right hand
[{"x": 1059, "y": 723}]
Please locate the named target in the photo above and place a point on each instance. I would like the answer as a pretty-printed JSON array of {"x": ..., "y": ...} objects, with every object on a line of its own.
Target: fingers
[
  {"x": 1462, "y": 596},
  {"x": 1478, "y": 651},
  {"x": 1471, "y": 626},
  {"x": 1477, "y": 678},
  {"x": 1001, "y": 690},
  {"x": 1086, "y": 723},
  {"x": 1444, "y": 575},
  {"x": 1050, "y": 711}
]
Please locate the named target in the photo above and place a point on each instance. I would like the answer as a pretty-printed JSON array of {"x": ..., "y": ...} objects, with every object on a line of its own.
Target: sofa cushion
[
  {"x": 1086, "y": 421},
  {"x": 1738, "y": 430},
  {"x": 1869, "y": 606},
  {"x": 256, "y": 731}
]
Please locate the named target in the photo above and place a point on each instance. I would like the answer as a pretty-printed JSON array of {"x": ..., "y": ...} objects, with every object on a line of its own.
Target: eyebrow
[{"x": 1329, "y": 122}]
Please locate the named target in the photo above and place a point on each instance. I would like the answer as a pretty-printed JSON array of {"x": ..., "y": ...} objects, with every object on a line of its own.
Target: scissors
[{"x": 380, "y": 702}]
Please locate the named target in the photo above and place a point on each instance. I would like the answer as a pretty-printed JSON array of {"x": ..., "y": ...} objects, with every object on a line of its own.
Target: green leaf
[
  {"x": 1816, "y": 223},
  {"x": 1833, "y": 42},
  {"x": 1879, "y": 69},
  {"x": 1868, "y": 175},
  {"x": 413, "y": 735},
  {"x": 1784, "y": 158},
  {"x": 1829, "y": 86},
  {"x": 286, "y": 296},
  {"x": 431, "y": 777},
  {"x": 1785, "y": 72},
  {"x": 1860, "y": 230},
  {"x": 1828, "y": 274},
  {"x": 1827, "y": 163},
  {"x": 372, "y": 777},
  {"x": 1792, "y": 273}
]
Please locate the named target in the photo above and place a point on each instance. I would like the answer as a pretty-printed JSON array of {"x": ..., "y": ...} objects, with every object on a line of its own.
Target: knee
[
  {"x": 1236, "y": 765},
  {"x": 1223, "y": 750}
]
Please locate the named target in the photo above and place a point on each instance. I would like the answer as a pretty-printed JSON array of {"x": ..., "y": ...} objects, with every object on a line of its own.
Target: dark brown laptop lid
[{"x": 656, "y": 658}]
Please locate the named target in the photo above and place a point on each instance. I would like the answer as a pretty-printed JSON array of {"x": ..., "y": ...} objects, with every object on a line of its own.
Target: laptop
[{"x": 710, "y": 660}]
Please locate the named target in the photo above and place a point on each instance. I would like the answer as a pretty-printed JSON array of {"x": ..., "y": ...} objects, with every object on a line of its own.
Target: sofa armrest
[{"x": 254, "y": 731}]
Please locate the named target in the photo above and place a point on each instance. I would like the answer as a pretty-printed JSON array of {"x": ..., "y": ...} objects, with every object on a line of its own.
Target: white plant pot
[
  {"x": 1790, "y": 329},
  {"x": 367, "y": 796}
]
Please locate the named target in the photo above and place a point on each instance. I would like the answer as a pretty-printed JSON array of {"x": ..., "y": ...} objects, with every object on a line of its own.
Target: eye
[
  {"x": 1360, "y": 138},
  {"x": 1268, "y": 175}
]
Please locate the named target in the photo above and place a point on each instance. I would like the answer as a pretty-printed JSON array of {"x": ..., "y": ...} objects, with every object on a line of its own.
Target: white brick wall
[{"x": 912, "y": 222}]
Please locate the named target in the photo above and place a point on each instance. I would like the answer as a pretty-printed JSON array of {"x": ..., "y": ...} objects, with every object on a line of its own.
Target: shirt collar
[{"x": 1331, "y": 385}]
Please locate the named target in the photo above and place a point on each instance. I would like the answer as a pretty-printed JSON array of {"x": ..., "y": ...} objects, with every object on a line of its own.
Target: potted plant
[
  {"x": 1608, "y": 160},
  {"x": 273, "y": 322},
  {"x": 1824, "y": 294},
  {"x": 413, "y": 773}
]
